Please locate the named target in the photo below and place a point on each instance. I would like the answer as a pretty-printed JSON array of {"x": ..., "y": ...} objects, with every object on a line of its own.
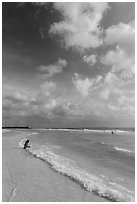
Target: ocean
[{"x": 99, "y": 161}]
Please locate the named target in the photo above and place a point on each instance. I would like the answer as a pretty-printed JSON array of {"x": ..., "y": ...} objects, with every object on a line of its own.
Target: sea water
[{"x": 99, "y": 161}]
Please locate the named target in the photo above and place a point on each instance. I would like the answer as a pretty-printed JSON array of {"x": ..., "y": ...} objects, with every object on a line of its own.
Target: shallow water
[{"x": 96, "y": 159}]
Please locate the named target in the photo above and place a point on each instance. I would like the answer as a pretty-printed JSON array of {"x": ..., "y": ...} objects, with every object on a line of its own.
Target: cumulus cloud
[
  {"x": 111, "y": 87},
  {"x": 53, "y": 69},
  {"x": 113, "y": 108},
  {"x": 48, "y": 88},
  {"x": 126, "y": 104},
  {"x": 23, "y": 103},
  {"x": 123, "y": 35},
  {"x": 122, "y": 100},
  {"x": 110, "y": 77},
  {"x": 105, "y": 93},
  {"x": 83, "y": 85},
  {"x": 119, "y": 61},
  {"x": 91, "y": 59},
  {"x": 122, "y": 58},
  {"x": 17, "y": 102},
  {"x": 80, "y": 27},
  {"x": 51, "y": 104}
]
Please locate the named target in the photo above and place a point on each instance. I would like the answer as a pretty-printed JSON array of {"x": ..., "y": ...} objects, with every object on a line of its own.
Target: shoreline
[{"x": 28, "y": 179}]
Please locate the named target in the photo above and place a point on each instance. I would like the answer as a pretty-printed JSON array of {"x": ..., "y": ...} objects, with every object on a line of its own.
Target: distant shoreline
[
  {"x": 85, "y": 128},
  {"x": 16, "y": 127}
]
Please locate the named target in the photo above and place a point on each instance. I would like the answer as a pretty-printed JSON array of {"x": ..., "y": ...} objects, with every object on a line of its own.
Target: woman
[{"x": 26, "y": 144}]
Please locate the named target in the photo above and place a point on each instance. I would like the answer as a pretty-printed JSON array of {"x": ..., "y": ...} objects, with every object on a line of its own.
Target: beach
[
  {"x": 28, "y": 179},
  {"x": 68, "y": 101}
]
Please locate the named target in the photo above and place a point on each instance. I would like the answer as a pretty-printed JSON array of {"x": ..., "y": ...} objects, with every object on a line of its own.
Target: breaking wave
[
  {"x": 106, "y": 131},
  {"x": 123, "y": 150},
  {"x": 68, "y": 167},
  {"x": 118, "y": 131},
  {"x": 117, "y": 148}
]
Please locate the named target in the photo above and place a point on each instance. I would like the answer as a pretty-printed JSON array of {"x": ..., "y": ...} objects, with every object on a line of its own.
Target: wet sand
[{"x": 28, "y": 179}]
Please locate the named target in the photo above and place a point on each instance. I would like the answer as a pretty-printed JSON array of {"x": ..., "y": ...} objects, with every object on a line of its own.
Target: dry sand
[{"x": 28, "y": 179}]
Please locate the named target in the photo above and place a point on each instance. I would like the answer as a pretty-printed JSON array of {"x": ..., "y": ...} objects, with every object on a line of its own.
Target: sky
[{"x": 68, "y": 65}]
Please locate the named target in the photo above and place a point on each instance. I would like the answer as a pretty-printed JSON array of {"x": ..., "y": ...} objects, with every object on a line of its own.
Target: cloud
[
  {"x": 91, "y": 59},
  {"x": 41, "y": 4},
  {"x": 113, "y": 108},
  {"x": 48, "y": 88},
  {"x": 83, "y": 85},
  {"x": 16, "y": 93},
  {"x": 110, "y": 77},
  {"x": 17, "y": 102},
  {"x": 126, "y": 104},
  {"x": 122, "y": 100},
  {"x": 22, "y": 103},
  {"x": 47, "y": 102},
  {"x": 119, "y": 61},
  {"x": 80, "y": 27},
  {"x": 122, "y": 58},
  {"x": 112, "y": 85},
  {"x": 52, "y": 69},
  {"x": 123, "y": 35},
  {"x": 105, "y": 94},
  {"x": 50, "y": 104},
  {"x": 42, "y": 32}
]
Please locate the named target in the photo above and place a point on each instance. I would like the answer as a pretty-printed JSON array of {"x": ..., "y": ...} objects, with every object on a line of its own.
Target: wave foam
[
  {"x": 117, "y": 148},
  {"x": 118, "y": 131},
  {"x": 105, "y": 131},
  {"x": 22, "y": 142},
  {"x": 122, "y": 150},
  {"x": 34, "y": 133},
  {"x": 90, "y": 182},
  {"x": 89, "y": 130}
]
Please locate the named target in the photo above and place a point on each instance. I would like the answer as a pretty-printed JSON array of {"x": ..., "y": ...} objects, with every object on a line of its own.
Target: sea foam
[
  {"x": 119, "y": 131},
  {"x": 123, "y": 150},
  {"x": 90, "y": 182}
]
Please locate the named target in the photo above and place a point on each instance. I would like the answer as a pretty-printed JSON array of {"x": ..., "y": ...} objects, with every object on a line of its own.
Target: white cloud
[
  {"x": 119, "y": 60},
  {"x": 129, "y": 73},
  {"x": 113, "y": 108},
  {"x": 104, "y": 94},
  {"x": 52, "y": 69},
  {"x": 17, "y": 101},
  {"x": 16, "y": 93},
  {"x": 48, "y": 88},
  {"x": 48, "y": 107},
  {"x": 91, "y": 59},
  {"x": 80, "y": 27},
  {"x": 111, "y": 86},
  {"x": 98, "y": 79},
  {"x": 122, "y": 100},
  {"x": 127, "y": 105},
  {"x": 122, "y": 58},
  {"x": 51, "y": 105},
  {"x": 122, "y": 34},
  {"x": 83, "y": 85},
  {"x": 110, "y": 77}
]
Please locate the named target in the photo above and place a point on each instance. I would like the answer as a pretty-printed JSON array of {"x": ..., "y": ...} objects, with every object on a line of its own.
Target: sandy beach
[
  {"x": 68, "y": 101},
  {"x": 28, "y": 179}
]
